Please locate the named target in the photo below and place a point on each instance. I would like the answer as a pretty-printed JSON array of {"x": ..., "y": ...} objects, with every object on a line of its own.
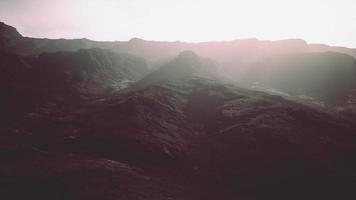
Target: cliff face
[{"x": 8, "y": 36}]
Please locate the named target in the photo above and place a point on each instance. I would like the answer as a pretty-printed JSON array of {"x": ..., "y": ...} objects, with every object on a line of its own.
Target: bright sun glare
[{"x": 317, "y": 21}]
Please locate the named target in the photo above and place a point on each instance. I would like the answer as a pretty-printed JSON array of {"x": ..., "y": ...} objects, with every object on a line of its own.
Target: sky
[{"x": 330, "y": 22}]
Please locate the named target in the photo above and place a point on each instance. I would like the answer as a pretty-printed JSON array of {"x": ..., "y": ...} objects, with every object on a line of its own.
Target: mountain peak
[
  {"x": 186, "y": 65},
  {"x": 187, "y": 55},
  {"x": 136, "y": 40},
  {"x": 8, "y": 31},
  {"x": 293, "y": 43}
]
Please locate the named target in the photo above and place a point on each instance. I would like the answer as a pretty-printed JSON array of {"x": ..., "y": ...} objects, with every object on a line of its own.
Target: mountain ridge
[{"x": 186, "y": 45}]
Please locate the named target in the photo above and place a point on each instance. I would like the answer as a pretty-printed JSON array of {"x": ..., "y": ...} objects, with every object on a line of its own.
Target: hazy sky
[{"x": 317, "y": 21}]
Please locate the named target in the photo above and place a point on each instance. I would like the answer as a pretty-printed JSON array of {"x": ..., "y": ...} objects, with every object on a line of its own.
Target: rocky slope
[
  {"x": 85, "y": 71},
  {"x": 219, "y": 138}
]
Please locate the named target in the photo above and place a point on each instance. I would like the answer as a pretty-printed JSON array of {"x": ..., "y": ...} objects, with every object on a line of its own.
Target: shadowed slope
[{"x": 197, "y": 130}]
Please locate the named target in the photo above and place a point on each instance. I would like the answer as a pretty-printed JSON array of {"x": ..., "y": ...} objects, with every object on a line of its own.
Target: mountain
[
  {"x": 327, "y": 48},
  {"x": 329, "y": 78},
  {"x": 206, "y": 138},
  {"x": 159, "y": 120},
  {"x": 8, "y": 35},
  {"x": 233, "y": 56},
  {"x": 89, "y": 70},
  {"x": 28, "y": 82},
  {"x": 186, "y": 64},
  {"x": 12, "y": 41}
]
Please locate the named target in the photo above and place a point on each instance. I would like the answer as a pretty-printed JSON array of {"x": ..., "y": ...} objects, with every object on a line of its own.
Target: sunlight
[{"x": 194, "y": 21}]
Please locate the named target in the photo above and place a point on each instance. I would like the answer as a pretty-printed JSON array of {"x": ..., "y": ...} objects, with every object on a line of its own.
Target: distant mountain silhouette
[
  {"x": 327, "y": 48},
  {"x": 225, "y": 52},
  {"x": 12, "y": 41},
  {"x": 326, "y": 77}
]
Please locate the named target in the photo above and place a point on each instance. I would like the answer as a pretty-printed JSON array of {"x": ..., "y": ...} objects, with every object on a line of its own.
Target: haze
[{"x": 317, "y": 21}]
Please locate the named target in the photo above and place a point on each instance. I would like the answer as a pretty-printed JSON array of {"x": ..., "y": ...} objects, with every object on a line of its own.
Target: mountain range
[{"x": 245, "y": 119}]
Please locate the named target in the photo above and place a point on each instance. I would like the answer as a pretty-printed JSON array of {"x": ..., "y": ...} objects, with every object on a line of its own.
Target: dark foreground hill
[
  {"x": 32, "y": 174},
  {"x": 200, "y": 137}
]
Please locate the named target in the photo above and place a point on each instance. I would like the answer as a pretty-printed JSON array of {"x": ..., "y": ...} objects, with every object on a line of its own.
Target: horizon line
[{"x": 180, "y": 41}]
